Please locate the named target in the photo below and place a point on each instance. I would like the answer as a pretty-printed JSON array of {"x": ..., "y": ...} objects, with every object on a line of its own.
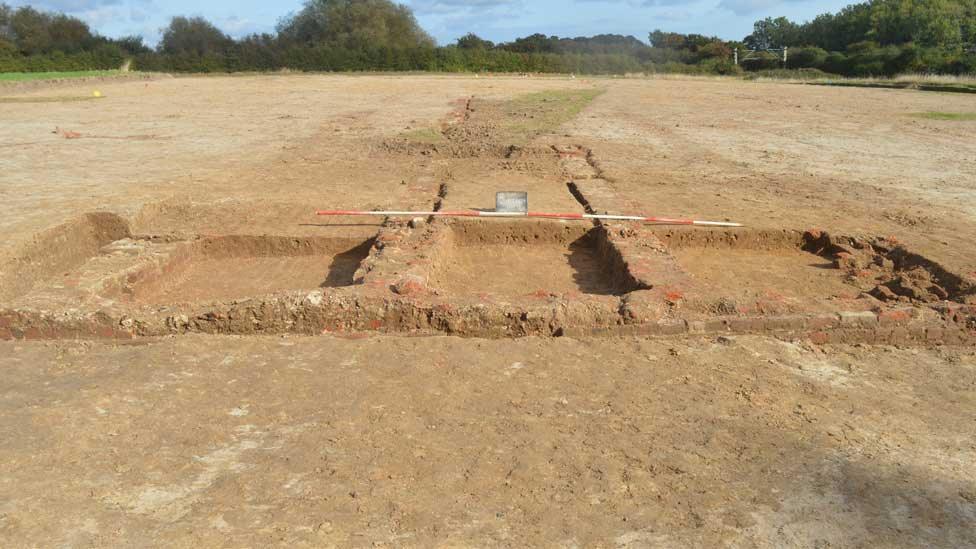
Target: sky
[{"x": 446, "y": 20}]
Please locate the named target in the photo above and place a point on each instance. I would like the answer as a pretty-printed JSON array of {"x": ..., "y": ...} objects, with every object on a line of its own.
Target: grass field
[
  {"x": 27, "y": 76},
  {"x": 923, "y": 82},
  {"x": 545, "y": 111},
  {"x": 935, "y": 115},
  {"x": 54, "y": 99},
  {"x": 423, "y": 136},
  {"x": 538, "y": 113}
]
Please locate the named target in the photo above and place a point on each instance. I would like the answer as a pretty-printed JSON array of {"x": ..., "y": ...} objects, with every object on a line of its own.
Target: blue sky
[{"x": 498, "y": 20}]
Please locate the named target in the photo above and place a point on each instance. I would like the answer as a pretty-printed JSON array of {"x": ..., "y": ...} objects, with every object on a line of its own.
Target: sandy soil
[
  {"x": 398, "y": 441},
  {"x": 419, "y": 442},
  {"x": 798, "y": 278},
  {"x": 778, "y": 155},
  {"x": 517, "y": 272},
  {"x": 226, "y": 139},
  {"x": 238, "y": 278}
]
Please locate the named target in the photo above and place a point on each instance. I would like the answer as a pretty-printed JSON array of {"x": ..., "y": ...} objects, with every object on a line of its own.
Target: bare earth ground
[
  {"x": 746, "y": 441},
  {"x": 402, "y": 441}
]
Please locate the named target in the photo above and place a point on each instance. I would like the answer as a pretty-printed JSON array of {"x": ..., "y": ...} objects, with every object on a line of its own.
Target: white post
[
  {"x": 736, "y": 56},
  {"x": 785, "y": 49}
]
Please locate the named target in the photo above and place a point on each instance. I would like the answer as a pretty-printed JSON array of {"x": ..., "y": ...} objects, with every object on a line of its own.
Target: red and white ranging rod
[{"x": 567, "y": 216}]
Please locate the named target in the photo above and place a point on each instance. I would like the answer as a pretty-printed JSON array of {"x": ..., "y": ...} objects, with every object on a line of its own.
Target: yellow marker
[{"x": 96, "y": 93}]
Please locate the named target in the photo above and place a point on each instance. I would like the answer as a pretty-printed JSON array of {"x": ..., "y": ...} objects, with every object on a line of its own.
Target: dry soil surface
[
  {"x": 398, "y": 441},
  {"x": 247, "y": 442}
]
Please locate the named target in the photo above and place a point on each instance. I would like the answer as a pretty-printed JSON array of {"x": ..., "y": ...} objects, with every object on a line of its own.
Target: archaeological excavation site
[
  {"x": 430, "y": 310},
  {"x": 178, "y": 266}
]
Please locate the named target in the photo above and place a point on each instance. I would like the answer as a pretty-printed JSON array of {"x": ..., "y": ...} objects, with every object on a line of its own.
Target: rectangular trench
[
  {"x": 514, "y": 258},
  {"x": 237, "y": 267}
]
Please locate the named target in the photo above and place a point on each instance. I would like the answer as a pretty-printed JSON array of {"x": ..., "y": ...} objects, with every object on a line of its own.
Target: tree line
[
  {"x": 877, "y": 37},
  {"x": 33, "y": 41}
]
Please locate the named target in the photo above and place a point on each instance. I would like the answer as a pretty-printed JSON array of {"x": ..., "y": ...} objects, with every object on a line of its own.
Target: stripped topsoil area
[
  {"x": 526, "y": 258},
  {"x": 228, "y": 268},
  {"x": 407, "y": 442},
  {"x": 204, "y": 190},
  {"x": 495, "y": 277},
  {"x": 747, "y": 276},
  {"x": 514, "y": 271},
  {"x": 741, "y": 271}
]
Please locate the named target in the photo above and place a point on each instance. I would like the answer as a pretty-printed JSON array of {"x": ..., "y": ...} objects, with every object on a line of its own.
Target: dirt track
[{"x": 368, "y": 439}]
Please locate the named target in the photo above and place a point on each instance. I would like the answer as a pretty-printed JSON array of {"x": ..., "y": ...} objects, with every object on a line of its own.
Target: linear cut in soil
[
  {"x": 239, "y": 267},
  {"x": 741, "y": 277},
  {"x": 746, "y": 270},
  {"x": 510, "y": 271},
  {"x": 790, "y": 271},
  {"x": 513, "y": 259},
  {"x": 59, "y": 250}
]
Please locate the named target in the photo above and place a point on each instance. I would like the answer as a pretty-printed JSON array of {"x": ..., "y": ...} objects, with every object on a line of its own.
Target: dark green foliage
[
  {"x": 35, "y": 41},
  {"x": 132, "y": 45},
  {"x": 873, "y": 38},
  {"x": 836, "y": 63},
  {"x": 194, "y": 36},
  {"x": 603, "y": 44},
  {"x": 880, "y": 37},
  {"x": 103, "y": 57},
  {"x": 253, "y": 55},
  {"x": 536, "y": 43},
  {"x": 718, "y": 65},
  {"x": 762, "y": 61},
  {"x": 472, "y": 41},
  {"x": 806, "y": 58},
  {"x": 355, "y": 25},
  {"x": 790, "y": 74},
  {"x": 928, "y": 23}
]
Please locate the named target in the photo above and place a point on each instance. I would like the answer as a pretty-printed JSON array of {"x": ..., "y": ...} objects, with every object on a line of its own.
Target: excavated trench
[
  {"x": 93, "y": 277},
  {"x": 736, "y": 271},
  {"x": 238, "y": 267},
  {"x": 495, "y": 278},
  {"x": 518, "y": 258},
  {"x": 54, "y": 252}
]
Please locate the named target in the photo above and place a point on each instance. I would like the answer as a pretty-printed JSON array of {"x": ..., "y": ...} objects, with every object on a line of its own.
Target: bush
[
  {"x": 715, "y": 50},
  {"x": 678, "y": 68},
  {"x": 867, "y": 69},
  {"x": 790, "y": 74},
  {"x": 762, "y": 61},
  {"x": 721, "y": 66},
  {"x": 868, "y": 60},
  {"x": 7, "y": 49},
  {"x": 102, "y": 58},
  {"x": 836, "y": 63},
  {"x": 866, "y": 46},
  {"x": 967, "y": 64},
  {"x": 806, "y": 58}
]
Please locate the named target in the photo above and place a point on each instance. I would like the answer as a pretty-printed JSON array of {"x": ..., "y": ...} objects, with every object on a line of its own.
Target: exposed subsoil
[
  {"x": 697, "y": 436},
  {"x": 228, "y": 268},
  {"x": 304, "y": 442},
  {"x": 510, "y": 268},
  {"x": 735, "y": 281},
  {"x": 513, "y": 269},
  {"x": 893, "y": 274},
  {"x": 741, "y": 270}
]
